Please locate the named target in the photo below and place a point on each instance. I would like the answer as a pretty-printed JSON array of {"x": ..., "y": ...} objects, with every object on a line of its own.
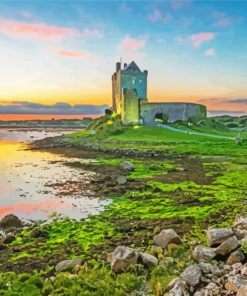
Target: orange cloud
[
  {"x": 75, "y": 54},
  {"x": 36, "y": 30},
  {"x": 129, "y": 44},
  {"x": 196, "y": 40}
]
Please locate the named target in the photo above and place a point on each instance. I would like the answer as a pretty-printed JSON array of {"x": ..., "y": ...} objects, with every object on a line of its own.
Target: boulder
[
  {"x": 148, "y": 260},
  {"x": 244, "y": 271},
  {"x": 122, "y": 258},
  {"x": 206, "y": 267},
  {"x": 235, "y": 257},
  {"x": 67, "y": 265},
  {"x": 217, "y": 236},
  {"x": 240, "y": 223},
  {"x": 203, "y": 253},
  {"x": 234, "y": 283},
  {"x": 191, "y": 275},
  {"x": 179, "y": 289},
  {"x": 242, "y": 291},
  {"x": 127, "y": 166},
  {"x": 165, "y": 237},
  {"x": 121, "y": 180},
  {"x": 10, "y": 221},
  {"x": 227, "y": 246}
]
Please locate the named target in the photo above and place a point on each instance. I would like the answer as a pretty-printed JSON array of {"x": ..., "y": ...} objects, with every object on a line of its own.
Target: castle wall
[
  {"x": 130, "y": 113},
  {"x": 172, "y": 111}
]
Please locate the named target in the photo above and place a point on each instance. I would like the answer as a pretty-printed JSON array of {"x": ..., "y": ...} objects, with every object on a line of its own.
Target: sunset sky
[{"x": 65, "y": 51}]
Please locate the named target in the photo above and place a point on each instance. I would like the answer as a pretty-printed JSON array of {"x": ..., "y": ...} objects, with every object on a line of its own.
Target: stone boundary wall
[{"x": 172, "y": 111}]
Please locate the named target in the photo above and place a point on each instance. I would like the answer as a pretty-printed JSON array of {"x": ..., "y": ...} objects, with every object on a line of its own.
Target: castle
[{"x": 129, "y": 99}]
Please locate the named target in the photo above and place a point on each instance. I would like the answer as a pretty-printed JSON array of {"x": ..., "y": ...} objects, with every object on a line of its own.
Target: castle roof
[{"x": 133, "y": 67}]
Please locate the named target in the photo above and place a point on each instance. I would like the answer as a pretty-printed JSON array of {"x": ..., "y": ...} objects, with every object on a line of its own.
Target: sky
[{"x": 64, "y": 52}]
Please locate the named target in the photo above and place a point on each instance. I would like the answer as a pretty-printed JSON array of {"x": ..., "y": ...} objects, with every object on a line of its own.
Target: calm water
[{"x": 27, "y": 181}]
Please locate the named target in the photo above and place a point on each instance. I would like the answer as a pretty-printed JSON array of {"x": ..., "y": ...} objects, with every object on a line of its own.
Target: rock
[
  {"x": 206, "y": 267},
  {"x": 122, "y": 258},
  {"x": 148, "y": 260},
  {"x": 218, "y": 235},
  {"x": 179, "y": 289},
  {"x": 172, "y": 283},
  {"x": 227, "y": 246},
  {"x": 242, "y": 291},
  {"x": 121, "y": 180},
  {"x": 37, "y": 232},
  {"x": 191, "y": 275},
  {"x": 203, "y": 253},
  {"x": 235, "y": 257},
  {"x": 234, "y": 283},
  {"x": 10, "y": 221},
  {"x": 166, "y": 237},
  {"x": 3, "y": 247},
  {"x": 8, "y": 239},
  {"x": 244, "y": 271},
  {"x": 240, "y": 227},
  {"x": 67, "y": 265},
  {"x": 127, "y": 166}
]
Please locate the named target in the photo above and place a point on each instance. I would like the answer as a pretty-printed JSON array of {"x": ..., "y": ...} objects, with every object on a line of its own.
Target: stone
[
  {"x": 191, "y": 275},
  {"x": 8, "y": 239},
  {"x": 10, "y": 221},
  {"x": 240, "y": 227},
  {"x": 127, "y": 166},
  {"x": 217, "y": 236},
  {"x": 234, "y": 283},
  {"x": 121, "y": 180},
  {"x": 235, "y": 257},
  {"x": 67, "y": 265},
  {"x": 37, "y": 232},
  {"x": 242, "y": 291},
  {"x": 206, "y": 267},
  {"x": 178, "y": 289},
  {"x": 244, "y": 271},
  {"x": 227, "y": 246},
  {"x": 122, "y": 258},
  {"x": 165, "y": 237},
  {"x": 203, "y": 253},
  {"x": 240, "y": 222},
  {"x": 148, "y": 260}
]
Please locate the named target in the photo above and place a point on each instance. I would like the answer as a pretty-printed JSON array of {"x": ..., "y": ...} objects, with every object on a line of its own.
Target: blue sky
[{"x": 53, "y": 51}]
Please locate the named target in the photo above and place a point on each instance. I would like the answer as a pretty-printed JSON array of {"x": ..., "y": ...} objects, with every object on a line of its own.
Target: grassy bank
[{"x": 203, "y": 184}]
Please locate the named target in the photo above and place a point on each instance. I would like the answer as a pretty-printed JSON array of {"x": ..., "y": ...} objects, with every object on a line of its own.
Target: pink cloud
[
  {"x": 157, "y": 16},
  {"x": 129, "y": 44},
  {"x": 223, "y": 22},
  {"x": 92, "y": 32},
  {"x": 210, "y": 52},
  {"x": 74, "y": 54},
  {"x": 179, "y": 4},
  {"x": 196, "y": 40},
  {"x": 35, "y": 30}
]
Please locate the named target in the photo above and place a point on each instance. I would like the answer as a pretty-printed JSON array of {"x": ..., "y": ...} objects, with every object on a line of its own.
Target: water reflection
[{"x": 27, "y": 181}]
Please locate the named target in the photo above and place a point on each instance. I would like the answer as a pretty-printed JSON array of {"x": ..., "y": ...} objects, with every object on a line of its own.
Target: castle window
[{"x": 133, "y": 81}]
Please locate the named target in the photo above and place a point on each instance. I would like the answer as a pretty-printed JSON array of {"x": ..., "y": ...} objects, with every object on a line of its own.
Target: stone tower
[{"x": 129, "y": 88}]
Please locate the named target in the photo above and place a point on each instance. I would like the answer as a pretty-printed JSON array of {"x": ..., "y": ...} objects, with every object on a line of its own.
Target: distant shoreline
[{"x": 27, "y": 117}]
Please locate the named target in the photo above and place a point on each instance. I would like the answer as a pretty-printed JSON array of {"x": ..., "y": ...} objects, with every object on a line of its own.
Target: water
[{"x": 27, "y": 181}]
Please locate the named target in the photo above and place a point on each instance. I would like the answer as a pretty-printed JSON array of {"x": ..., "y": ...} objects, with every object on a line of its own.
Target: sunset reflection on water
[{"x": 25, "y": 174}]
